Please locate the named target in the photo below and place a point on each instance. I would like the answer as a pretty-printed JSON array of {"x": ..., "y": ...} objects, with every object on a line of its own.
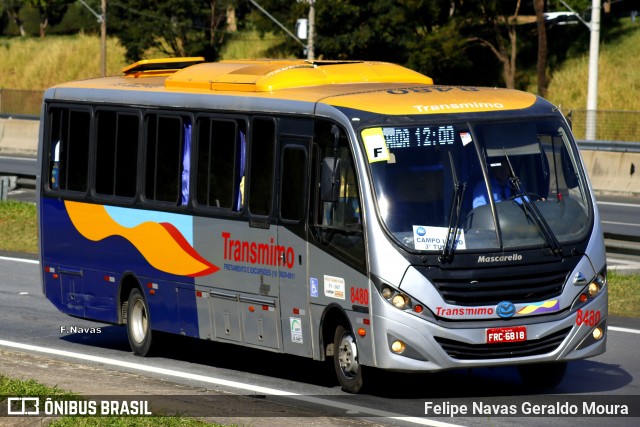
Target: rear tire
[
  {"x": 542, "y": 376},
  {"x": 345, "y": 360},
  {"x": 139, "y": 324}
]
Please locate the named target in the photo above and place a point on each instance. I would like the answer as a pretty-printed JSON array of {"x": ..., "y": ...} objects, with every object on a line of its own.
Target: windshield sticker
[
  {"x": 465, "y": 137},
  {"x": 375, "y": 145},
  {"x": 433, "y": 238}
]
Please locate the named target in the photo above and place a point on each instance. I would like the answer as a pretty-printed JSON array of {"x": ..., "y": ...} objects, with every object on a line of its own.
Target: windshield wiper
[
  {"x": 531, "y": 210},
  {"x": 454, "y": 215}
]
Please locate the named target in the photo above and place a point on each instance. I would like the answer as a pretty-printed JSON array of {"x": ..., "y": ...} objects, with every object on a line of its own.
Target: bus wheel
[
  {"x": 345, "y": 360},
  {"x": 542, "y": 376},
  {"x": 138, "y": 324}
]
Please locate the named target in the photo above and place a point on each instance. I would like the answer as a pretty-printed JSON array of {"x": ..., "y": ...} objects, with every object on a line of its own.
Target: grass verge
[
  {"x": 19, "y": 225},
  {"x": 11, "y": 387}
]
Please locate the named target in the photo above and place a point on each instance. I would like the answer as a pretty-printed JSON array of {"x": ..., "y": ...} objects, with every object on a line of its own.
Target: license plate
[{"x": 507, "y": 334}]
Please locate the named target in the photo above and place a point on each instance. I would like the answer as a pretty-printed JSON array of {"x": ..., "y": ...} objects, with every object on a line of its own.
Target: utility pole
[
  {"x": 312, "y": 31},
  {"x": 592, "y": 87},
  {"x": 103, "y": 40},
  {"x": 102, "y": 19}
]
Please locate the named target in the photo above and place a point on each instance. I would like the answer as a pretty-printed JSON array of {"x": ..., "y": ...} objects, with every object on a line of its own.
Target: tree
[
  {"x": 541, "y": 69},
  {"x": 51, "y": 12},
  {"x": 12, "y": 9},
  {"x": 173, "y": 27},
  {"x": 504, "y": 48}
]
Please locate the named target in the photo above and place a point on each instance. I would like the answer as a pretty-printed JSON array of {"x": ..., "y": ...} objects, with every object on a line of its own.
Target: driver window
[{"x": 336, "y": 208}]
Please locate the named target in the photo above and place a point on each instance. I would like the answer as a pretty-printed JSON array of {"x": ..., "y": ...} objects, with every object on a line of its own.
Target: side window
[
  {"x": 263, "y": 142},
  {"x": 293, "y": 183},
  {"x": 117, "y": 153},
  {"x": 69, "y": 149},
  {"x": 221, "y": 163},
  {"x": 164, "y": 160},
  {"x": 336, "y": 208}
]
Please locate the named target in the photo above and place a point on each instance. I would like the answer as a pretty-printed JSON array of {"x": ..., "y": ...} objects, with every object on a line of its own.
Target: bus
[{"x": 333, "y": 210}]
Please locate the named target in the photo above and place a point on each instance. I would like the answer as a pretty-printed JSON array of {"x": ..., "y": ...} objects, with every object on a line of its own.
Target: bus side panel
[
  {"x": 188, "y": 311},
  {"x": 99, "y": 291},
  {"x": 92, "y": 271}
]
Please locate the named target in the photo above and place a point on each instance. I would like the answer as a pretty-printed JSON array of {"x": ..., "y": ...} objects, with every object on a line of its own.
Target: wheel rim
[
  {"x": 139, "y": 321},
  {"x": 348, "y": 355}
]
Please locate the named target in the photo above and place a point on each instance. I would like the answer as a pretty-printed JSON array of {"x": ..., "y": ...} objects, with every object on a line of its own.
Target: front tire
[
  {"x": 139, "y": 324},
  {"x": 345, "y": 360}
]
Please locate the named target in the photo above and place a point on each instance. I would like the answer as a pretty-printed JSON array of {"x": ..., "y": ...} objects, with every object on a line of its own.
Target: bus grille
[
  {"x": 492, "y": 286},
  {"x": 461, "y": 350}
]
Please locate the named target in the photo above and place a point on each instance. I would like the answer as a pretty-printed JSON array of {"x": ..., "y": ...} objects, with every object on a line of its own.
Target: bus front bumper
[{"x": 429, "y": 346}]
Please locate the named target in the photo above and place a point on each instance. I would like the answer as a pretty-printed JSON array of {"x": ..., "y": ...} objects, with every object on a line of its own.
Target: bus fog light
[
  {"x": 397, "y": 346},
  {"x": 399, "y": 301},
  {"x": 593, "y": 289},
  {"x": 597, "y": 333}
]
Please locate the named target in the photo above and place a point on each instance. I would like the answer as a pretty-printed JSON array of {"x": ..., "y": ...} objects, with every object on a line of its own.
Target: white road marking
[
  {"x": 629, "y": 205},
  {"x": 27, "y": 261},
  {"x": 626, "y": 224},
  {"x": 627, "y": 330},
  {"x": 227, "y": 383}
]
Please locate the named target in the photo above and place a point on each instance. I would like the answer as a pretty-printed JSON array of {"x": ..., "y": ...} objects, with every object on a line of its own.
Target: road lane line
[
  {"x": 629, "y": 205},
  {"x": 27, "y": 261},
  {"x": 627, "y": 224},
  {"x": 222, "y": 382},
  {"x": 627, "y": 330}
]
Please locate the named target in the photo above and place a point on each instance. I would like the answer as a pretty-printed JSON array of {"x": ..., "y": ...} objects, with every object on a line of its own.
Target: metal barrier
[
  {"x": 611, "y": 125},
  {"x": 20, "y": 102},
  {"x": 617, "y": 146}
]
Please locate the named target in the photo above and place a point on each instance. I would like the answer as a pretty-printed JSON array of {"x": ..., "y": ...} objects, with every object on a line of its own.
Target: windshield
[{"x": 432, "y": 181}]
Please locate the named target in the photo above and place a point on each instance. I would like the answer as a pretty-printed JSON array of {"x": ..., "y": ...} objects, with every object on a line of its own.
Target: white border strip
[
  {"x": 27, "y": 261},
  {"x": 629, "y": 205},
  {"x": 227, "y": 383},
  {"x": 619, "y": 329},
  {"x": 626, "y": 224}
]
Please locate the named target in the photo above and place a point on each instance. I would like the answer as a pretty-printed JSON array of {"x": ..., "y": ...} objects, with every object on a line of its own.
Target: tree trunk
[
  {"x": 15, "y": 16},
  {"x": 538, "y": 5},
  {"x": 43, "y": 27},
  {"x": 232, "y": 20}
]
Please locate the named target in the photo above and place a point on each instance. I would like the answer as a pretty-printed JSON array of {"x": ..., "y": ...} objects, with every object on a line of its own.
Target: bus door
[{"x": 292, "y": 241}]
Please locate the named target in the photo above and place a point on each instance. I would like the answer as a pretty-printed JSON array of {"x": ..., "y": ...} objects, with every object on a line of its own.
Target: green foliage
[
  {"x": 51, "y": 12},
  {"x": 173, "y": 27},
  {"x": 13, "y": 387},
  {"x": 20, "y": 218},
  {"x": 618, "y": 76},
  {"x": 35, "y": 63},
  {"x": 624, "y": 294}
]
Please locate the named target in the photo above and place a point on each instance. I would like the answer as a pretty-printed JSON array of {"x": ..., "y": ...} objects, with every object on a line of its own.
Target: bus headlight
[
  {"x": 400, "y": 301},
  {"x": 592, "y": 290}
]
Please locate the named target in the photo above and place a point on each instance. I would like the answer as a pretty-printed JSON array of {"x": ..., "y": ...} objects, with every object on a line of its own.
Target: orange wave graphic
[{"x": 162, "y": 245}]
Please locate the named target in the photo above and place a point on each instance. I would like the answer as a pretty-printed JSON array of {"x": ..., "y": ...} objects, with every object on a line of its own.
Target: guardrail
[{"x": 616, "y": 146}]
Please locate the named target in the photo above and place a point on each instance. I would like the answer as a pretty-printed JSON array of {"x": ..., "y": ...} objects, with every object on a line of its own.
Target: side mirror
[{"x": 330, "y": 179}]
